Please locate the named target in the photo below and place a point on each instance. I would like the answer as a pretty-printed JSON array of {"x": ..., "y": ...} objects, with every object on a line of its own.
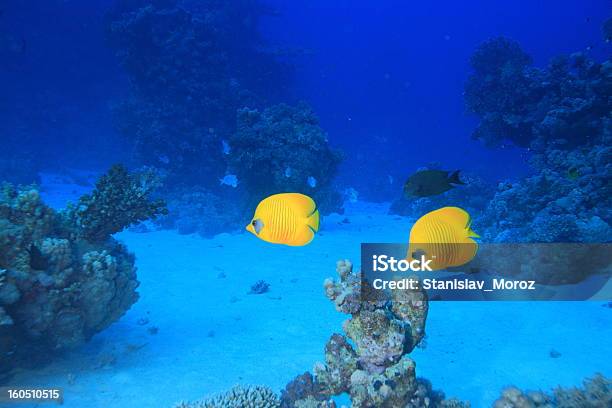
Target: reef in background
[
  {"x": 63, "y": 278},
  {"x": 283, "y": 149},
  {"x": 596, "y": 393},
  {"x": 191, "y": 66},
  {"x": 202, "y": 78},
  {"x": 563, "y": 115}
]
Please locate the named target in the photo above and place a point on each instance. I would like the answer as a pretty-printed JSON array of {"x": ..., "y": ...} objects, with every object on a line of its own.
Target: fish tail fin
[
  {"x": 472, "y": 234},
  {"x": 470, "y": 231},
  {"x": 454, "y": 178},
  {"x": 313, "y": 220}
]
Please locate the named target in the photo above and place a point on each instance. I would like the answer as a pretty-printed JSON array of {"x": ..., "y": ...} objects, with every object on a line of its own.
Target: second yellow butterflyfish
[
  {"x": 288, "y": 218},
  {"x": 445, "y": 236}
]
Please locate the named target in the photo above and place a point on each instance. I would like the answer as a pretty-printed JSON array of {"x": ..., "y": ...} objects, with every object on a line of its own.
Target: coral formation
[
  {"x": 59, "y": 283},
  {"x": 377, "y": 370},
  {"x": 238, "y": 397},
  {"x": 562, "y": 114},
  {"x": 596, "y": 393},
  {"x": 191, "y": 67},
  {"x": 565, "y": 104},
  {"x": 119, "y": 200},
  {"x": 283, "y": 149},
  {"x": 194, "y": 67},
  {"x": 370, "y": 362}
]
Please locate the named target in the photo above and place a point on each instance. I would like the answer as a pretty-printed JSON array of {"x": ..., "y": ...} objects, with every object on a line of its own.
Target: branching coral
[
  {"x": 60, "y": 282},
  {"x": 119, "y": 200},
  {"x": 596, "y": 393},
  {"x": 238, "y": 397},
  {"x": 283, "y": 149}
]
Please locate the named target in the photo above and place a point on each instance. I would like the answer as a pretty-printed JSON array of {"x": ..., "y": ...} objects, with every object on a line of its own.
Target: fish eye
[{"x": 253, "y": 222}]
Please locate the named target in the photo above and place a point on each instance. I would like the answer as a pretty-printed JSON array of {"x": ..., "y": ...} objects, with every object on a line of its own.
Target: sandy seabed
[{"x": 195, "y": 331}]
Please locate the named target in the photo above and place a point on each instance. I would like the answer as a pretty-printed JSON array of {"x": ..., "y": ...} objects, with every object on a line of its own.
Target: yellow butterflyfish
[
  {"x": 445, "y": 236},
  {"x": 288, "y": 218}
]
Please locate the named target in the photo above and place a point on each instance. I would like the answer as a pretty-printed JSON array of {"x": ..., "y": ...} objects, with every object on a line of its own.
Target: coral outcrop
[
  {"x": 60, "y": 282},
  {"x": 191, "y": 66},
  {"x": 370, "y": 362},
  {"x": 281, "y": 149},
  {"x": 562, "y": 115},
  {"x": 119, "y": 200},
  {"x": 595, "y": 393}
]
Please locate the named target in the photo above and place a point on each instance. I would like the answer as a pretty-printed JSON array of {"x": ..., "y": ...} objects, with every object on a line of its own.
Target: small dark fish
[
  {"x": 573, "y": 174},
  {"x": 38, "y": 261},
  {"x": 427, "y": 183}
]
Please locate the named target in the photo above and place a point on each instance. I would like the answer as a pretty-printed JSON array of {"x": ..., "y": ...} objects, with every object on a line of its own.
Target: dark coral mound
[
  {"x": 283, "y": 149},
  {"x": 595, "y": 393},
  {"x": 191, "y": 65},
  {"x": 566, "y": 103},
  {"x": 563, "y": 114},
  {"x": 119, "y": 200},
  {"x": 62, "y": 277}
]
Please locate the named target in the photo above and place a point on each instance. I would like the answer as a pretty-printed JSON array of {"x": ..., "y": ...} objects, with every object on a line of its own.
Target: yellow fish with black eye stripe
[
  {"x": 288, "y": 218},
  {"x": 444, "y": 235}
]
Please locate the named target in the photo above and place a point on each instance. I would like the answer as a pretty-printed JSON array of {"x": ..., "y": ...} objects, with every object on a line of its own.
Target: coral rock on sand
[
  {"x": 60, "y": 283},
  {"x": 377, "y": 372}
]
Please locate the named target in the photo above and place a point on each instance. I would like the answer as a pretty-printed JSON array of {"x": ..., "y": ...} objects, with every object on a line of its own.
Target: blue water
[{"x": 386, "y": 81}]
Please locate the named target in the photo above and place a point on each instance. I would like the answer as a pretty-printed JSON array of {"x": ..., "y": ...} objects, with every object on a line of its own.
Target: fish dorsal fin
[
  {"x": 300, "y": 204},
  {"x": 455, "y": 216}
]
